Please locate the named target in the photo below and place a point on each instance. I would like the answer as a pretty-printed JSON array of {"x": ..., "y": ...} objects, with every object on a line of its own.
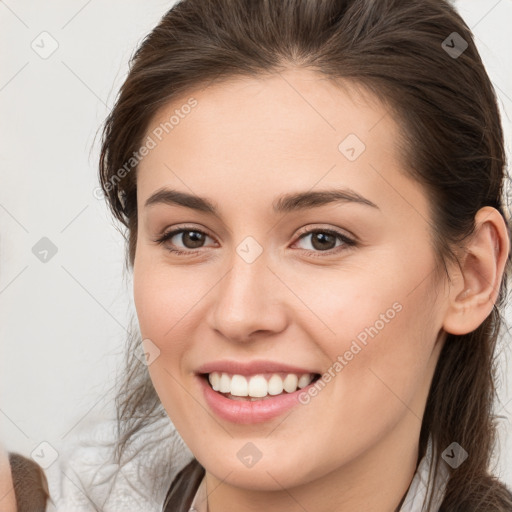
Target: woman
[{"x": 312, "y": 196}]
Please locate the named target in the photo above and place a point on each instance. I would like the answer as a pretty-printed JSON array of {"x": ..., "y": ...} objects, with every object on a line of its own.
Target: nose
[{"x": 248, "y": 302}]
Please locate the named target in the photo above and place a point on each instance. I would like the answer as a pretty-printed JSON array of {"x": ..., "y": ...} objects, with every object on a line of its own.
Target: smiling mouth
[{"x": 259, "y": 386}]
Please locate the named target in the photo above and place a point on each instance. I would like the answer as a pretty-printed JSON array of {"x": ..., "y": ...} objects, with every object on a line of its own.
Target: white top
[{"x": 83, "y": 478}]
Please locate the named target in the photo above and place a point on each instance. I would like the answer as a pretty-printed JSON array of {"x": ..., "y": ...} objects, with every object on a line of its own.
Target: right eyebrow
[{"x": 175, "y": 197}]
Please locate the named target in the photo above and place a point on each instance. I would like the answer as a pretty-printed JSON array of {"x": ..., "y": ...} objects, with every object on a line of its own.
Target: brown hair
[{"x": 452, "y": 143}]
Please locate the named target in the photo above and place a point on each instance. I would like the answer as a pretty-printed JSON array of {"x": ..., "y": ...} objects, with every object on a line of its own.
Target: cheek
[
  {"x": 378, "y": 331},
  {"x": 379, "y": 321},
  {"x": 164, "y": 300},
  {"x": 170, "y": 303}
]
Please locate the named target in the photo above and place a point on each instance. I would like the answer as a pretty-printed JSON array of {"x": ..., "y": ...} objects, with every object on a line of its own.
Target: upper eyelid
[
  {"x": 180, "y": 229},
  {"x": 305, "y": 230},
  {"x": 338, "y": 231}
]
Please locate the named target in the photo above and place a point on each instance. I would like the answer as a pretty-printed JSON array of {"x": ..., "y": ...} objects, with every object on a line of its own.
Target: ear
[{"x": 475, "y": 287}]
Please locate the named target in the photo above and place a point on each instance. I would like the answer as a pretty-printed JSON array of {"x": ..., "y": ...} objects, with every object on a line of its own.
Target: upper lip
[{"x": 251, "y": 367}]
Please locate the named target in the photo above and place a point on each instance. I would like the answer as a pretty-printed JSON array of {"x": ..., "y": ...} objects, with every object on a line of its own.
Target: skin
[
  {"x": 354, "y": 447},
  {"x": 7, "y": 496}
]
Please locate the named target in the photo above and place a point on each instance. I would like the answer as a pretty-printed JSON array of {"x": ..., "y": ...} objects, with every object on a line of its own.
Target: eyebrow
[{"x": 284, "y": 204}]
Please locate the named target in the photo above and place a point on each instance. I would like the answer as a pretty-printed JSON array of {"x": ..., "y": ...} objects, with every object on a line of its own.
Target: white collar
[{"x": 418, "y": 490}]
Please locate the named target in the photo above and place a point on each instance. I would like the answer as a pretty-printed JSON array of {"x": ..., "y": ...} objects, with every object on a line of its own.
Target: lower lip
[{"x": 247, "y": 412}]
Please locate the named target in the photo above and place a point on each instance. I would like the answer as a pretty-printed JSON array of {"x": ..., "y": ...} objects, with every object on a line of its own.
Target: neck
[{"x": 377, "y": 481}]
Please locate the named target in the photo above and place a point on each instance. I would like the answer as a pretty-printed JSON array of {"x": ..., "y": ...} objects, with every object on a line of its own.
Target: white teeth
[
  {"x": 224, "y": 383},
  {"x": 304, "y": 381},
  {"x": 275, "y": 385},
  {"x": 239, "y": 386},
  {"x": 214, "y": 379},
  {"x": 290, "y": 383},
  {"x": 257, "y": 386}
]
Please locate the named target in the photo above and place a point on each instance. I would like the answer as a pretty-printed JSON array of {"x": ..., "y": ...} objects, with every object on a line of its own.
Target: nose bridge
[{"x": 247, "y": 297}]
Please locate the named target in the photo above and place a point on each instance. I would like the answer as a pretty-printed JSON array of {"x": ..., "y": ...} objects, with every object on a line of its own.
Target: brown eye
[
  {"x": 322, "y": 240},
  {"x": 192, "y": 239},
  {"x": 187, "y": 239}
]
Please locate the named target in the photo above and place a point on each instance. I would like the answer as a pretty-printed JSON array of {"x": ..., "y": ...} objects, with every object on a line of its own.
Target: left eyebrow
[
  {"x": 303, "y": 200},
  {"x": 284, "y": 204}
]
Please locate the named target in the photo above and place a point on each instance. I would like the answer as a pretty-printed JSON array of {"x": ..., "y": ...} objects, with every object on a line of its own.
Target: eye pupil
[{"x": 322, "y": 238}]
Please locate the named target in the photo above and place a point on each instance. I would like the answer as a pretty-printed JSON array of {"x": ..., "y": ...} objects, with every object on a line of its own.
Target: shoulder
[
  {"x": 88, "y": 475},
  {"x": 86, "y": 478},
  {"x": 7, "y": 496},
  {"x": 29, "y": 483}
]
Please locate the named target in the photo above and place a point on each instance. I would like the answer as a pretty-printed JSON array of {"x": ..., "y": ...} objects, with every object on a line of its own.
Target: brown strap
[
  {"x": 30, "y": 484},
  {"x": 184, "y": 487}
]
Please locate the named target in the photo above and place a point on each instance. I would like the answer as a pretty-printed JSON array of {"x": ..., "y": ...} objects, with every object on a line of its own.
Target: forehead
[
  {"x": 282, "y": 132},
  {"x": 294, "y": 112}
]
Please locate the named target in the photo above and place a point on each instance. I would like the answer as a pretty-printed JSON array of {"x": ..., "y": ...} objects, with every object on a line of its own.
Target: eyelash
[{"x": 347, "y": 242}]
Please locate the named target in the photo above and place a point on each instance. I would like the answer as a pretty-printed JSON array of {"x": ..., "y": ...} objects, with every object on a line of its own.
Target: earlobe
[{"x": 482, "y": 264}]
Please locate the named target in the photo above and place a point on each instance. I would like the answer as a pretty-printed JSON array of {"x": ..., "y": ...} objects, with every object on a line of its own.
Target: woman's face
[{"x": 342, "y": 285}]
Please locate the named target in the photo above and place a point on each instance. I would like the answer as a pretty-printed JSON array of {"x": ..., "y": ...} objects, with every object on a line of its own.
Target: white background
[{"x": 62, "y": 323}]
